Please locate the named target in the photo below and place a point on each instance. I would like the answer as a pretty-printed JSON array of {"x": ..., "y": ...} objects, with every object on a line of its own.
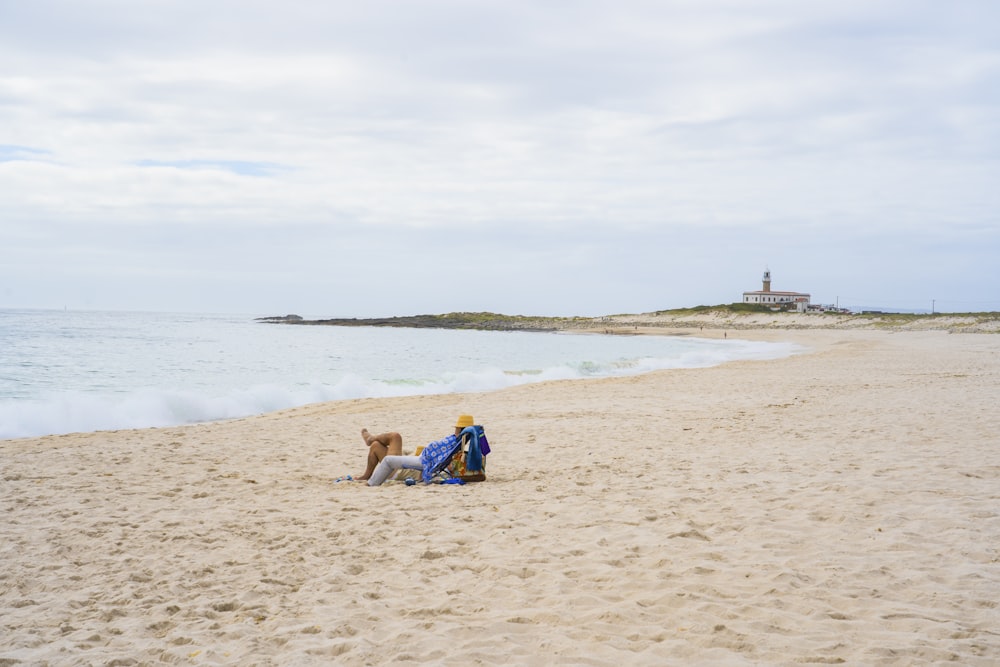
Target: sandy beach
[{"x": 838, "y": 506}]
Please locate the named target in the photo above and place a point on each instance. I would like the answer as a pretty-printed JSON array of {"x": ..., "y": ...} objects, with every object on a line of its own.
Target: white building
[{"x": 767, "y": 297}]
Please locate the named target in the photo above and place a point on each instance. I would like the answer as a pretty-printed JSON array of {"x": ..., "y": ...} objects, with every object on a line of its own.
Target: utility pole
[{"x": 932, "y": 306}]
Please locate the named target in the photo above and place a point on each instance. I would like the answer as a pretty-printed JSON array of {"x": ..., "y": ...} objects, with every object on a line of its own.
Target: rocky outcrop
[{"x": 282, "y": 319}]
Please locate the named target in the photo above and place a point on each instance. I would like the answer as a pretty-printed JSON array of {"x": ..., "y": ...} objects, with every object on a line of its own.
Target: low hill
[{"x": 734, "y": 316}]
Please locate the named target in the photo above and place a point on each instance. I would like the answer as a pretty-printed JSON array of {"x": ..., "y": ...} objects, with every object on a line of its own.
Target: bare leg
[
  {"x": 380, "y": 446},
  {"x": 376, "y": 452}
]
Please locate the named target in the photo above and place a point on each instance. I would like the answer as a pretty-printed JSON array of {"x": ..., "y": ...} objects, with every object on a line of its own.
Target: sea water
[{"x": 71, "y": 371}]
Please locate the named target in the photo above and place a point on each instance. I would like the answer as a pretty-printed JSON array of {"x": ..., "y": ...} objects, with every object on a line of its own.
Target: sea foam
[{"x": 69, "y": 412}]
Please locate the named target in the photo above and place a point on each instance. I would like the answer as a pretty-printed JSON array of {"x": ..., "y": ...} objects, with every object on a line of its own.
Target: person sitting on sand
[
  {"x": 382, "y": 449},
  {"x": 380, "y": 446}
]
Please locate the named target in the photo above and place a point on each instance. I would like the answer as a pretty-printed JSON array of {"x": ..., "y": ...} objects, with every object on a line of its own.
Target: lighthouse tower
[{"x": 777, "y": 300}]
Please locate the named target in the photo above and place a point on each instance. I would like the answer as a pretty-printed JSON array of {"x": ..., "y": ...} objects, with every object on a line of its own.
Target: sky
[{"x": 354, "y": 159}]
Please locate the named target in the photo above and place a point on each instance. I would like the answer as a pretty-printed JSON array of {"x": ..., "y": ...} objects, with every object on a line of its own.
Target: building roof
[{"x": 777, "y": 293}]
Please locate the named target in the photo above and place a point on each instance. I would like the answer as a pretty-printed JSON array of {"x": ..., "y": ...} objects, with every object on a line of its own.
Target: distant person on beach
[{"x": 385, "y": 453}]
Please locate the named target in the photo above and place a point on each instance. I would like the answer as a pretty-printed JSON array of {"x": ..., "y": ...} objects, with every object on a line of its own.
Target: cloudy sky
[{"x": 335, "y": 158}]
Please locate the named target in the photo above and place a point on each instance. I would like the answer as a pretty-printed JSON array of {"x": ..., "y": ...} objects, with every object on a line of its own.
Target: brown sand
[{"x": 840, "y": 506}]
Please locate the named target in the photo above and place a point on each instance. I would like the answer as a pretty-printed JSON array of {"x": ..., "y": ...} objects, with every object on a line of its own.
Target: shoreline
[
  {"x": 110, "y": 411},
  {"x": 838, "y": 506}
]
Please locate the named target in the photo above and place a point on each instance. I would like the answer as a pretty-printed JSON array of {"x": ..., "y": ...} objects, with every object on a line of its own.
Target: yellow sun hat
[{"x": 464, "y": 420}]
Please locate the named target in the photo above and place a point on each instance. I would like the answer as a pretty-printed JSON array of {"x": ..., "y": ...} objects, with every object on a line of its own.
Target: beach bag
[{"x": 469, "y": 462}]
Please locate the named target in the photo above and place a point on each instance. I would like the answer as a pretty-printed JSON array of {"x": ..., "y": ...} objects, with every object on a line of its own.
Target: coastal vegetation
[
  {"x": 479, "y": 321},
  {"x": 722, "y": 308},
  {"x": 723, "y": 316}
]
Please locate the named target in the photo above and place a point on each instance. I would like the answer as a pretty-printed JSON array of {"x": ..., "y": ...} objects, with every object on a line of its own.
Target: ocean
[{"x": 75, "y": 371}]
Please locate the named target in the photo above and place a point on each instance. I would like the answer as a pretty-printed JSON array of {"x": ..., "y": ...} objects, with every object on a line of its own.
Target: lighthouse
[{"x": 777, "y": 300}]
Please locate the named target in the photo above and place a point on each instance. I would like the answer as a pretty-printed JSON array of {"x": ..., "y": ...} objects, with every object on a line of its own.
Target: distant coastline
[
  {"x": 478, "y": 321},
  {"x": 735, "y": 317}
]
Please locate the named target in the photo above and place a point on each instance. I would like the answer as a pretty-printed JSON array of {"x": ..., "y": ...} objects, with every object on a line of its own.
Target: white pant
[{"x": 391, "y": 464}]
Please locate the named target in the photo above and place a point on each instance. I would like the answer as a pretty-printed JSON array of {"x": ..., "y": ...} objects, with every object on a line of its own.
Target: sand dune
[{"x": 839, "y": 506}]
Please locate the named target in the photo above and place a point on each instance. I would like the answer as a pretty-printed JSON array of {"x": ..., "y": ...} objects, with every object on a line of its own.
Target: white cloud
[{"x": 593, "y": 154}]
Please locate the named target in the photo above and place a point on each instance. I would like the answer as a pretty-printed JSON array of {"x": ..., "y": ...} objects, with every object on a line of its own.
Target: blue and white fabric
[{"x": 436, "y": 456}]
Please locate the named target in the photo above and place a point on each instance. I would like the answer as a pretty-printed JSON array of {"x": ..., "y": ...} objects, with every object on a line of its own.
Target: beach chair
[{"x": 468, "y": 461}]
